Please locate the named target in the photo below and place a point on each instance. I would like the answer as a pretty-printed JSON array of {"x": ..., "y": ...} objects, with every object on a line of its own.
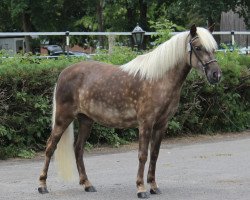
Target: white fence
[
  {"x": 67, "y": 34},
  {"x": 6, "y": 34}
]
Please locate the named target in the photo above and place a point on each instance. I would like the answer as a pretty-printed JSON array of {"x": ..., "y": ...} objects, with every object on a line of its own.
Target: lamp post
[{"x": 138, "y": 35}]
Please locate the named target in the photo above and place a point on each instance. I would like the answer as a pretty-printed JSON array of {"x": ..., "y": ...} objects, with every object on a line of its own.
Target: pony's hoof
[
  {"x": 155, "y": 191},
  {"x": 43, "y": 190},
  {"x": 90, "y": 189},
  {"x": 143, "y": 195}
]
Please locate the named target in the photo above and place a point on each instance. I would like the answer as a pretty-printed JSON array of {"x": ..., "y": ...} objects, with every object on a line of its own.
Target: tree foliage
[
  {"x": 113, "y": 15},
  {"x": 109, "y": 15}
]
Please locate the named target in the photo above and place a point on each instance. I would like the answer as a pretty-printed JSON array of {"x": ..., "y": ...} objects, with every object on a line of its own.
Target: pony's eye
[{"x": 197, "y": 48}]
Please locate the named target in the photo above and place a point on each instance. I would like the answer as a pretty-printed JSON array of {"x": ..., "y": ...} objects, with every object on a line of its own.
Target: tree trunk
[
  {"x": 143, "y": 14},
  {"x": 143, "y": 19},
  {"x": 27, "y": 28},
  {"x": 131, "y": 23},
  {"x": 100, "y": 6}
]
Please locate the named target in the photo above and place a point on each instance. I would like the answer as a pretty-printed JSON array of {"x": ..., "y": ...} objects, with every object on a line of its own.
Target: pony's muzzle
[{"x": 215, "y": 76}]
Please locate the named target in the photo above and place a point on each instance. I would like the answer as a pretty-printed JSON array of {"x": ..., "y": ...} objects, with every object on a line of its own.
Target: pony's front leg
[
  {"x": 157, "y": 136},
  {"x": 144, "y": 137}
]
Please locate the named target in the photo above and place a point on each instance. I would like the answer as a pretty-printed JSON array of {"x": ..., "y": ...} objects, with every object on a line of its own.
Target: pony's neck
[{"x": 177, "y": 75}]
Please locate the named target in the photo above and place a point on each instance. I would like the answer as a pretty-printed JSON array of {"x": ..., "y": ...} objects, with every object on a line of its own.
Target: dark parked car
[{"x": 56, "y": 50}]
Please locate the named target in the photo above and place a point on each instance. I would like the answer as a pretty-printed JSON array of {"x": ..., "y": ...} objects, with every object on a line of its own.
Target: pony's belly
[
  {"x": 113, "y": 119},
  {"x": 120, "y": 123},
  {"x": 110, "y": 116}
]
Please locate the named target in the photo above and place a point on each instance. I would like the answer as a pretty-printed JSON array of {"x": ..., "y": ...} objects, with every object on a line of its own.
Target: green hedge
[
  {"x": 26, "y": 86},
  {"x": 224, "y": 107}
]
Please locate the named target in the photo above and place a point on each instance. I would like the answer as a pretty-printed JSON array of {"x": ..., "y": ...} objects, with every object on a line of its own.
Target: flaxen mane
[{"x": 166, "y": 56}]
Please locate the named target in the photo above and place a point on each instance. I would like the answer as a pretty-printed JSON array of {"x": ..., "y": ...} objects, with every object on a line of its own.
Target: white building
[{"x": 13, "y": 45}]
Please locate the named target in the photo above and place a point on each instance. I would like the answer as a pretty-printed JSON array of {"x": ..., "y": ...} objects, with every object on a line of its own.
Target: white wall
[{"x": 9, "y": 44}]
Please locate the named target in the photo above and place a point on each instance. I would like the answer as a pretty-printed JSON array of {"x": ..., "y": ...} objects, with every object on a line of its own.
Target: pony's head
[{"x": 201, "y": 49}]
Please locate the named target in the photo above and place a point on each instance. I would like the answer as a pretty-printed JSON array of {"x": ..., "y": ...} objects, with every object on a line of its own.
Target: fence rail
[
  {"x": 67, "y": 34},
  {"x": 6, "y": 34},
  {"x": 11, "y": 34}
]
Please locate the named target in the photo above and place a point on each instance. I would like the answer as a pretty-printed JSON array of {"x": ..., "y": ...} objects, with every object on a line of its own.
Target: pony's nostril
[{"x": 215, "y": 75}]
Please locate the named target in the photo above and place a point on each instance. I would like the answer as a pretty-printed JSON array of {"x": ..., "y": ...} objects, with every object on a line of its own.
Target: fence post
[
  {"x": 67, "y": 42},
  {"x": 233, "y": 41},
  {"x": 247, "y": 50},
  {"x": 111, "y": 39}
]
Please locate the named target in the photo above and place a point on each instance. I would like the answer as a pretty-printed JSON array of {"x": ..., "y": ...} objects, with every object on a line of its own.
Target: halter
[{"x": 192, "y": 49}]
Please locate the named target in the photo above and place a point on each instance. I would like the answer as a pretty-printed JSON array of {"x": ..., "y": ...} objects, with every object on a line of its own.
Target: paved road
[{"x": 217, "y": 169}]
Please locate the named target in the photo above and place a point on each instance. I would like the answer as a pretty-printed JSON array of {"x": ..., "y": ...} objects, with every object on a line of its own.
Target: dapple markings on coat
[{"x": 143, "y": 93}]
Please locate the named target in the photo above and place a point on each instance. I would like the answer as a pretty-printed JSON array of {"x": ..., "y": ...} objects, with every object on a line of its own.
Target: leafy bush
[
  {"x": 26, "y": 86},
  {"x": 119, "y": 56},
  {"x": 164, "y": 29},
  {"x": 223, "y": 107}
]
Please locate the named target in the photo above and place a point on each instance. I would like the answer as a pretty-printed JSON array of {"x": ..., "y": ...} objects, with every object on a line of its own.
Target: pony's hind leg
[
  {"x": 85, "y": 125},
  {"x": 59, "y": 127}
]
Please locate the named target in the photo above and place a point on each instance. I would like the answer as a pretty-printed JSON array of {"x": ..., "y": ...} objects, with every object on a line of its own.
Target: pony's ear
[
  {"x": 211, "y": 28},
  {"x": 193, "y": 30}
]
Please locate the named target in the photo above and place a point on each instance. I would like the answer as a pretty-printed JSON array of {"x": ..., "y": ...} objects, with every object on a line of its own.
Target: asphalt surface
[{"x": 217, "y": 168}]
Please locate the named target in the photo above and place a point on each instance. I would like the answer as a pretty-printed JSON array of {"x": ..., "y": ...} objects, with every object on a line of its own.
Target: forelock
[{"x": 207, "y": 40}]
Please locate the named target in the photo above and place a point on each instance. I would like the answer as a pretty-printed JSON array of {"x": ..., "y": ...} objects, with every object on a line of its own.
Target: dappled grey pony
[{"x": 143, "y": 93}]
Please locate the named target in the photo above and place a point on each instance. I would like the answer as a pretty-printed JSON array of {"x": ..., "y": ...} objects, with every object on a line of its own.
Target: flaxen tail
[{"x": 64, "y": 155}]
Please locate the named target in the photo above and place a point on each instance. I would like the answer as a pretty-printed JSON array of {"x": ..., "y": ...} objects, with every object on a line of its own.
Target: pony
[{"x": 142, "y": 93}]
